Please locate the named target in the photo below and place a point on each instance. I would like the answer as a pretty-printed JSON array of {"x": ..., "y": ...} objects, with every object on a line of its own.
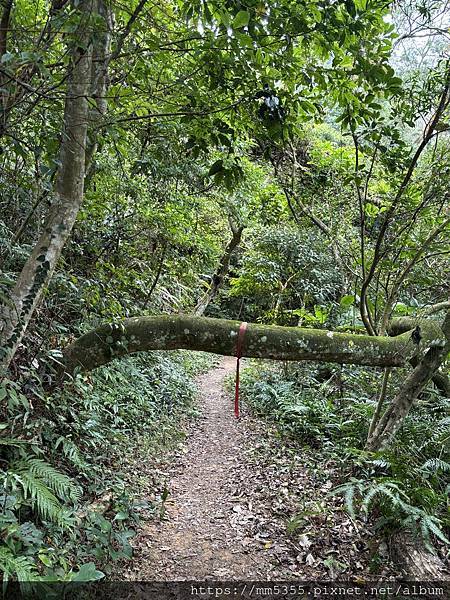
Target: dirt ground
[{"x": 240, "y": 504}]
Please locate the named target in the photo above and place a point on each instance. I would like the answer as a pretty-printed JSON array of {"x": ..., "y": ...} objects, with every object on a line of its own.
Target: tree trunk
[
  {"x": 381, "y": 399},
  {"x": 418, "y": 563},
  {"x": 4, "y": 29},
  {"x": 221, "y": 271},
  {"x": 400, "y": 406},
  {"x": 431, "y": 329},
  {"x": 170, "y": 332},
  {"x": 69, "y": 189},
  {"x": 99, "y": 87}
]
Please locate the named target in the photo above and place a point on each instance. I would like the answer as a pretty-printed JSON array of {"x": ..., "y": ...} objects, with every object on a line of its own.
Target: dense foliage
[
  {"x": 71, "y": 494},
  {"x": 327, "y": 410},
  {"x": 136, "y": 140}
]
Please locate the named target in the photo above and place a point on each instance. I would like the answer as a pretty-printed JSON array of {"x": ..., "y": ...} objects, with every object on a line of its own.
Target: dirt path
[
  {"x": 242, "y": 505},
  {"x": 202, "y": 535}
]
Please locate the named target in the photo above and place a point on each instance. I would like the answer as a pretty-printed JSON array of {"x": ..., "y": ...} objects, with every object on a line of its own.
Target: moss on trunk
[{"x": 170, "y": 332}]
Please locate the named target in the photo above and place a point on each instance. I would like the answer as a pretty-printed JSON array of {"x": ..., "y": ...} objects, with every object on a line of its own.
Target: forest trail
[
  {"x": 232, "y": 491},
  {"x": 202, "y": 535}
]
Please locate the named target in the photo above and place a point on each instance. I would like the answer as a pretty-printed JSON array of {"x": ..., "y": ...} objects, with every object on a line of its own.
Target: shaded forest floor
[{"x": 238, "y": 502}]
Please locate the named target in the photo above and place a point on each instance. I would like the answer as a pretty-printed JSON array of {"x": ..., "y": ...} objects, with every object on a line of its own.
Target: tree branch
[{"x": 218, "y": 336}]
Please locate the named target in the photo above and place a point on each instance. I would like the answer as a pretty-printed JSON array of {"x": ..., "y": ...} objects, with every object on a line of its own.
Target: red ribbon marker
[{"x": 239, "y": 346}]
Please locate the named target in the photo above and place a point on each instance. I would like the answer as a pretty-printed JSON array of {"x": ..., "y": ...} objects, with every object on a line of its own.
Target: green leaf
[
  {"x": 88, "y": 572},
  {"x": 347, "y": 301},
  {"x": 225, "y": 18},
  {"x": 360, "y": 4},
  {"x": 241, "y": 19},
  {"x": 217, "y": 167},
  {"x": 347, "y": 62}
]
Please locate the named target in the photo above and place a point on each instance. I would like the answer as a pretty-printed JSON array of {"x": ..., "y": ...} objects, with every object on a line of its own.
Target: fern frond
[
  {"x": 382, "y": 463},
  {"x": 72, "y": 453},
  {"x": 12, "y": 442},
  {"x": 389, "y": 490},
  {"x": 349, "y": 497},
  {"x": 22, "y": 567},
  {"x": 59, "y": 483},
  {"x": 44, "y": 500},
  {"x": 435, "y": 464},
  {"x": 433, "y": 525},
  {"x": 349, "y": 491}
]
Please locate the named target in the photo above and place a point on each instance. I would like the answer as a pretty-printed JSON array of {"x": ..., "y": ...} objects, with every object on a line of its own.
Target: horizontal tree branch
[{"x": 218, "y": 336}]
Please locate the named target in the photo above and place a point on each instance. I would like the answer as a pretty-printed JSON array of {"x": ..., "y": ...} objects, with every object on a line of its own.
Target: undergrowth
[
  {"x": 70, "y": 497},
  {"x": 329, "y": 410}
]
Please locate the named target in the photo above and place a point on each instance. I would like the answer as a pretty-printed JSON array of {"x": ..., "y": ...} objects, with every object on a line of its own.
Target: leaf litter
[{"x": 241, "y": 503}]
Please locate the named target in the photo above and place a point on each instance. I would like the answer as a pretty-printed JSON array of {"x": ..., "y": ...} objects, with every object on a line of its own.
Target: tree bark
[
  {"x": 170, "y": 332},
  {"x": 221, "y": 271},
  {"x": 404, "y": 324},
  {"x": 418, "y": 563},
  {"x": 4, "y": 25},
  {"x": 4, "y": 29},
  {"x": 69, "y": 188},
  {"x": 400, "y": 406},
  {"x": 440, "y": 380},
  {"x": 99, "y": 85},
  {"x": 381, "y": 399}
]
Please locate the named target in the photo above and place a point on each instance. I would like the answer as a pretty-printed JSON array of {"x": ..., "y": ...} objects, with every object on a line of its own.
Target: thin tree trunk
[
  {"x": 4, "y": 26},
  {"x": 157, "y": 276},
  {"x": 17, "y": 235},
  {"x": 99, "y": 86},
  {"x": 69, "y": 188},
  {"x": 380, "y": 402},
  {"x": 400, "y": 406},
  {"x": 396, "y": 285},
  {"x": 4, "y": 29},
  {"x": 221, "y": 271}
]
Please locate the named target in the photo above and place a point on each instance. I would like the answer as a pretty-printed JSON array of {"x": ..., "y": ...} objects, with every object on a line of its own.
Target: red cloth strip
[{"x": 239, "y": 347}]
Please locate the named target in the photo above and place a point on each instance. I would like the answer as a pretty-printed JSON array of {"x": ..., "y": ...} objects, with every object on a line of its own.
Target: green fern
[
  {"x": 350, "y": 490},
  {"x": 388, "y": 490},
  {"x": 381, "y": 463},
  {"x": 432, "y": 525},
  {"x": 435, "y": 464},
  {"x": 72, "y": 453},
  {"x": 20, "y": 567},
  {"x": 12, "y": 442},
  {"x": 396, "y": 502},
  {"x": 61, "y": 484},
  {"x": 43, "y": 484},
  {"x": 46, "y": 503},
  {"x": 426, "y": 525}
]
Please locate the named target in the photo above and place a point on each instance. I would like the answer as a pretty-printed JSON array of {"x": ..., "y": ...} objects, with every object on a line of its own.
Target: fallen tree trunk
[
  {"x": 431, "y": 357},
  {"x": 171, "y": 332}
]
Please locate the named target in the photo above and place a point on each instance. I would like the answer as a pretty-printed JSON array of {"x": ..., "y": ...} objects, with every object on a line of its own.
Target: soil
[{"x": 240, "y": 503}]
